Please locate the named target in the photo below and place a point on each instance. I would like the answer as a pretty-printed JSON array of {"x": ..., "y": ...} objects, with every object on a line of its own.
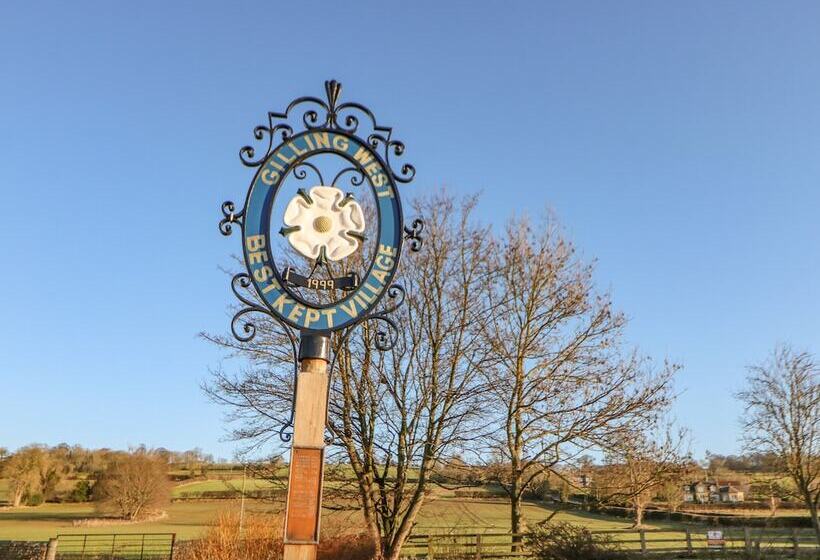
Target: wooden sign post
[{"x": 307, "y": 452}]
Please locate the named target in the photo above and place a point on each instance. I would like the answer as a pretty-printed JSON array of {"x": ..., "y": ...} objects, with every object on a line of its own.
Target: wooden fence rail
[{"x": 647, "y": 542}]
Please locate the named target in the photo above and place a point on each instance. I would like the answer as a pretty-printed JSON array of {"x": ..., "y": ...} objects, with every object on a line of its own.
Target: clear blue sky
[{"x": 678, "y": 142}]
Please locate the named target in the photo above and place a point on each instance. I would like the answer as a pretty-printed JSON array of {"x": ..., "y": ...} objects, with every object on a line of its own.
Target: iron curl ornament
[{"x": 324, "y": 225}]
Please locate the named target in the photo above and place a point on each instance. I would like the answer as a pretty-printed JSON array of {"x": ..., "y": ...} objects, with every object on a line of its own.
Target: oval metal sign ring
[
  {"x": 346, "y": 251},
  {"x": 272, "y": 283}
]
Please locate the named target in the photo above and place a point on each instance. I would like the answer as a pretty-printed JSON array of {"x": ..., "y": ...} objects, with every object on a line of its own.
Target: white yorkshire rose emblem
[{"x": 325, "y": 223}]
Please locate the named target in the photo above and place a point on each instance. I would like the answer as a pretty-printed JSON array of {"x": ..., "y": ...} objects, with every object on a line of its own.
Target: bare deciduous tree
[
  {"x": 639, "y": 467},
  {"x": 672, "y": 488},
  {"x": 395, "y": 415},
  {"x": 782, "y": 399},
  {"x": 134, "y": 485},
  {"x": 560, "y": 385},
  {"x": 398, "y": 413}
]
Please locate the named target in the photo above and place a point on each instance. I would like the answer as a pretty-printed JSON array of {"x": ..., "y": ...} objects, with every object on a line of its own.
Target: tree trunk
[
  {"x": 639, "y": 510},
  {"x": 378, "y": 544},
  {"x": 515, "y": 517},
  {"x": 17, "y": 499},
  {"x": 392, "y": 552},
  {"x": 405, "y": 528},
  {"x": 815, "y": 522}
]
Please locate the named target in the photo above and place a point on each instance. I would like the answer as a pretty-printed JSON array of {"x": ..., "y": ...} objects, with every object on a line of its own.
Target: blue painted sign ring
[{"x": 281, "y": 301}]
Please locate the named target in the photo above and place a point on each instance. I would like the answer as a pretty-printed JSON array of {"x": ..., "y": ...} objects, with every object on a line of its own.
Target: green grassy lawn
[
  {"x": 494, "y": 516},
  {"x": 749, "y": 512},
  {"x": 213, "y": 485},
  {"x": 188, "y": 519}
]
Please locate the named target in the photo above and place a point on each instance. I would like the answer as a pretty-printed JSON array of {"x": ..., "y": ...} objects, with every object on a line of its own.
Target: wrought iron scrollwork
[
  {"x": 306, "y": 114},
  {"x": 244, "y": 329},
  {"x": 407, "y": 172},
  {"x": 315, "y": 113},
  {"x": 356, "y": 178},
  {"x": 231, "y": 216},
  {"x": 413, "y": 234},
  {"x": 300, "y": 173},
  {"x": 247, "y": 153}
]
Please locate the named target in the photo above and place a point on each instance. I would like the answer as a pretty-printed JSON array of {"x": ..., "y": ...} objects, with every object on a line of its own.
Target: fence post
[
  {"x": 643, "y": 542},
  {"x": 747, "y": 539},
  {"x": 51, "y": 549},
  {"x": 173, "y": 543},
  {"x": 429, "y": 547},
  {"x": 796, "y": 541},
  {"x": 478, "y": 547},
  {"x": 688, "y": 541}
]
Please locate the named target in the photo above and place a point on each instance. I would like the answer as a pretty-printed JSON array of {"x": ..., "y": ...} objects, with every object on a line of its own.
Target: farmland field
[
  {"x": 188, "y": 519},
  {"x": 215, "y": 485}
]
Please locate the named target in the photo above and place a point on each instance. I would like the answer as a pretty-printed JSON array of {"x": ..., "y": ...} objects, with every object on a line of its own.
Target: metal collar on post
[{"x": 313, "y": 345}]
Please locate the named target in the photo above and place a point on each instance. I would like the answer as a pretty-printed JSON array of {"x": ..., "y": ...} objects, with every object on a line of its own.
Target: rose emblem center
[{"x": 324, "y": 223}]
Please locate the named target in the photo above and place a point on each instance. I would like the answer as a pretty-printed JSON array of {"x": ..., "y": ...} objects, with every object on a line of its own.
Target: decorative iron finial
[{"x": 333, "y": 89}]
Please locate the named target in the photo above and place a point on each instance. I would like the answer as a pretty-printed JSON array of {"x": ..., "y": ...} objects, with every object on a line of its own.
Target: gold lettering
[
  {"x": 269, "y": 177},
  {"x": 269, "y": 287},
  {"x": 361, "y": 294},
  {"x": 296, "y": 312},
  {"x": 322, "y": 139},
  {"x": 328, "y": 313},
  {"x": 340, "y": 143},
  {"x": 257, "y": 257},
  {"x": 350, "y": 308},
  {"x": 363, "y": 156},
  {"x": 280, "y": 303},
  {"x": 255, "y": 242},
  {"x": 287, "y": 161},
  {"x": 311, "y": 316},
  {"x": 297, "y": 151},
  {"x": 262, "y": 274},
  {"x": 387, "y": 250},
  {"x": 380, "y": 275},
  {"x": 384, "y": 262}
]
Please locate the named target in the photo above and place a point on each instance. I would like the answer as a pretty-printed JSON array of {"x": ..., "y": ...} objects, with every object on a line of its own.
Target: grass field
[
  {"x": 213, "y": 485},
  {"x": 750, "y": 512},
  {"x": 188, "y": 519}
]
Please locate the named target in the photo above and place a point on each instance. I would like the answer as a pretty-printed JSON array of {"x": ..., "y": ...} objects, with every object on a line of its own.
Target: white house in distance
[{"x": 713, "y": 492}]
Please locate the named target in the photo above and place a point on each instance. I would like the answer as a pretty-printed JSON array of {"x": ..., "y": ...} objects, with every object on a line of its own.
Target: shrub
[
  {"x": 34, "y": 499},
  {"x": 565, "y": 541},
  {"x": 353, "y": 547},
  {"x": 261, "y": 539},
  {"x": 80, "y": 493},
  {"x": 341, "y": 541}
]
